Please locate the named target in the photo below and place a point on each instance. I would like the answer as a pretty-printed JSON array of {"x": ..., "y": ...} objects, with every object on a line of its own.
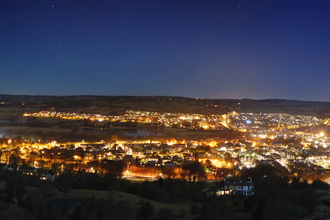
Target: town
[
  {"x": 295, "y": 143},
  {"x": 205, "y": 158}
]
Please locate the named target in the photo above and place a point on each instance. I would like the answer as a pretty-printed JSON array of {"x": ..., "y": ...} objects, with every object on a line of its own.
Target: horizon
[{"x": 146, "y": 96}]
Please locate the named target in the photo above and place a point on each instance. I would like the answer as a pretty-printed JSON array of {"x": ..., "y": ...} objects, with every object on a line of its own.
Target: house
[
  {"x": 89, "y": 156},
  {"x": 170, "y": 164},
  {"x": 128, "y": 159},
  {"x": 27, "y": 170},
  {"x": 11, "y": 167},
  {"x": 236, "y": 185},
  {"x": 43, "y": 175},
  {"x": 154, "y": 160}
]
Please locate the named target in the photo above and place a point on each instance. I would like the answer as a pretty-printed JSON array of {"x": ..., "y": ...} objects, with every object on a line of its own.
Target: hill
[{"x": 115, "y": 105}]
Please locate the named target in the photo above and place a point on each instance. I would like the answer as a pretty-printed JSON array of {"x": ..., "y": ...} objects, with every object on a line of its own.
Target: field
[
  {"x": 122, "y": 196},
  {"x": 84, "y": 195}
]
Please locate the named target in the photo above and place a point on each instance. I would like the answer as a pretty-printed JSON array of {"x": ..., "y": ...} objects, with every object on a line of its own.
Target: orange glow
[{"x": 213, "y": 144}]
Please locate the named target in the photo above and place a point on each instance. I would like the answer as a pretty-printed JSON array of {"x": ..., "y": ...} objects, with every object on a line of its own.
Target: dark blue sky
[{"x": 211, "y": 49}]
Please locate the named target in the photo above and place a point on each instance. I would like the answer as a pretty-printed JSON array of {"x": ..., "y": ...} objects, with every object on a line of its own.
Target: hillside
[{"x": 115, "y": 105}]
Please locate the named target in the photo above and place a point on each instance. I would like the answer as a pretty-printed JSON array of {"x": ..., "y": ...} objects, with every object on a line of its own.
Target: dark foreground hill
[{"x": 115, "y": 105}]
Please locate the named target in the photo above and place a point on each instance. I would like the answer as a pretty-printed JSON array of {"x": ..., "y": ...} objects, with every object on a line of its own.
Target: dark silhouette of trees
[
  {"x": 15, "y": 187},
  {"x": 15, "y": 159},
  {"x": 275, "y": 208},
  {"x": 277, "y": 199},
  {"x": 258, "y": 172},
  {"x": 319, "y": 184},
  {"x": 113, "y": 167},
  {"x": 194, "y": 171},
  {"x": 64, "y": 181},
  {"x": 169, "y": 172}
]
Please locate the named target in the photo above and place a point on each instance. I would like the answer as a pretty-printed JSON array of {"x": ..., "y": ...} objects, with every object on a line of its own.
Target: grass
[
  {"x": 122, "y": 196},
  {"x": 85, "y": 195},
  {"x": 98, "y": 195},
  {"x": 2, "y": 184},
  {"x": 14, "y": 211}
]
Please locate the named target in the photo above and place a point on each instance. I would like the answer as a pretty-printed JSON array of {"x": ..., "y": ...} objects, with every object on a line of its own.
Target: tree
[
  {"x": 275, "y": 208},
  {"x": 309, "y": 200},
  {"x": 195, "y": 171},
  {"x": 64, "y": 181},
  {"x": 169, "y": 172},
  {"x": 15, "y": 187},
  {"x": 14, "y": 159},
  {"x": 275, "y": 199},
  {"x": 259, "y": 172},
  {"x": 114, "y": 168},
  {"x": 228, "y": 158},
  {"x": 318, "y": 184}
]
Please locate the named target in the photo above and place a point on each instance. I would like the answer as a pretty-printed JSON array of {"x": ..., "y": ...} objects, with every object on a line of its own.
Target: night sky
[{"x": 207, "y": 49}]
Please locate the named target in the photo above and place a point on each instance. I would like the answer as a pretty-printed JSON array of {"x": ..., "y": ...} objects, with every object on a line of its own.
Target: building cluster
[
  {"x": 245, "y": 122},
  {"x": 304, "y": 154},
  {"x": 251, "y": 122},
  {"x": 178, "y": 120},
  {"x": 270, "y": 138},
  {"x": 236, "y": 186},
  {"x": 71, "y": 116}
]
